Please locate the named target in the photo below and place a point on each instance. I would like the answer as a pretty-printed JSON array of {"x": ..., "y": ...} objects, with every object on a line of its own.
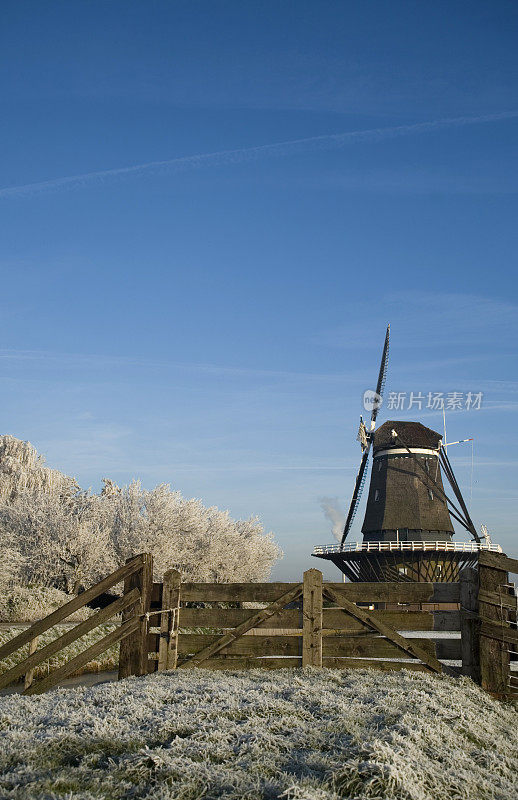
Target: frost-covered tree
[
  {"x": 22, "y": 470},
  {"x": 203, "y": 543},
  {"x": 54, "y": 534},
  {"x": 11, "y": 560},
  {"x": 47, "y": 522}
]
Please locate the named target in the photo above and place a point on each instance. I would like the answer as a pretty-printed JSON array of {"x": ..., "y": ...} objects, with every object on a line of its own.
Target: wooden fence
[{"x": 387, "y": 626}]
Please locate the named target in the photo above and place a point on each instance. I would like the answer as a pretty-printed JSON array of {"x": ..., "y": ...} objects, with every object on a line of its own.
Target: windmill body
[
  {"x": 406, "y": 494},
  {"x": 407, "y": 528}
]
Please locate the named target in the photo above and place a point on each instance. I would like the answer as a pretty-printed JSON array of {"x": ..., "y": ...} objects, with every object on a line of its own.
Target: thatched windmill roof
[{"x": 413, "y": 434}]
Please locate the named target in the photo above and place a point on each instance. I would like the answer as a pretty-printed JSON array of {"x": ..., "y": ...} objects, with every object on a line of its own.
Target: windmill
[{"x": 407, "y": 528}]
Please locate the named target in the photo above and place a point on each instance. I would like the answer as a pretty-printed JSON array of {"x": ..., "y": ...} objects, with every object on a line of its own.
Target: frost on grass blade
[{"x": 297, "y": 734}]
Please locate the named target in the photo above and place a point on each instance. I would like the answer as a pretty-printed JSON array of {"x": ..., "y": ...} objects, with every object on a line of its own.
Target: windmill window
[
  {"x": 403, "y": 570},
  {"x": 379, "y": 465},
  {"x": 377, "y": 494},
  {"x": 430, "y": 494}
]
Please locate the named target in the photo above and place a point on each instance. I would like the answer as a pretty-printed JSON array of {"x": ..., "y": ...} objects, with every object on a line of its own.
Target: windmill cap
[{"x": 413, "y": 434}]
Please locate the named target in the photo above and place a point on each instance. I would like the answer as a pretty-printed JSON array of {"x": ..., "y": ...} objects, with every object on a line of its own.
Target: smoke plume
[{"x": 333, "y": 512}]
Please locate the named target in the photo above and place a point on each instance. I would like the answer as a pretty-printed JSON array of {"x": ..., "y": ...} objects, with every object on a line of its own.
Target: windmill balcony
[{"x": 377, "y": 547}]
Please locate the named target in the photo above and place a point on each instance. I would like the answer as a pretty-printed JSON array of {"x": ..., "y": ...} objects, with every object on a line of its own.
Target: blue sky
[{"x": 262, "y": 187}]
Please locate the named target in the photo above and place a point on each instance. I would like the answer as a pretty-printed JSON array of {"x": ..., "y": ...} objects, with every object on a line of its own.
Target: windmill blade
[
  {"x": 381, "y": 378},
  {"x": 358, "y": 486},
  {"x": 365, "y": 438}
]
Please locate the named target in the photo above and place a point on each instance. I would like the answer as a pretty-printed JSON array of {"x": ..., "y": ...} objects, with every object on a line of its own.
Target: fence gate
[
  {"x": 275, "y": 625},
  {"x": 137, "y": 575}
]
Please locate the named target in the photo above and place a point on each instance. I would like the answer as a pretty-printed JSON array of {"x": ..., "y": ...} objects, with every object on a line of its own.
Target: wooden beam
[
  {"x": 501, "y": 633},
  {"x": 249, "y": 662},
  {"x": 228, "y": 592},
  {"x": 469, "y": 623},
  {"x": 312, "y": 619},
  {"x": 498, "y": 561},
  {"x": 370, "y": 645},
  {"x": 442, "y": 621},
  {"x": 168, "y": 648},
  {"x": 494, "y": 655},
  {"x": 373, "y": 647},
  {"x": 78, "y": 602},
  {"x": 397, "y": 592},
  {"x": 332, "y": 618},
  {"x": 448, "y": 649},
  {"x": 133, "y": 656},
  {"x": 507, "y": 601},
  {"x": 252, "y": 622}
]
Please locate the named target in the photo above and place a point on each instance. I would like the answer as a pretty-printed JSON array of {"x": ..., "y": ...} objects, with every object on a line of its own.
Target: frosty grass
[{"x": 307, "y": 734}]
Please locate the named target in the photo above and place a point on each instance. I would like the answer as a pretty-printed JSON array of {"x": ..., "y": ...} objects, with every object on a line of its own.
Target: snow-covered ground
[{"x": 307, "y": 734}]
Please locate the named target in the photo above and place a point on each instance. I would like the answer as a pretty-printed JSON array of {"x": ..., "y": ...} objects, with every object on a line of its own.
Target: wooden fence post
[
  {"x": 133, "y": 656},
  {"x": 29, "y": 675},
  {"x": 312, "y": 619},
  {"x": 169, "y": 620},
  {"x": 469, "y": 624},
  {"x": 494, "y": 653}
]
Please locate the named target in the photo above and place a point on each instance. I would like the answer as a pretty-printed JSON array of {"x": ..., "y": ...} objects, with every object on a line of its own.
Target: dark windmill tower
[{"x": 407, "y": 529}]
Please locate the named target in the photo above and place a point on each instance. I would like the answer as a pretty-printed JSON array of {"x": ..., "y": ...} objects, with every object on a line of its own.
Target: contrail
[{"x": 331, "y": 141}]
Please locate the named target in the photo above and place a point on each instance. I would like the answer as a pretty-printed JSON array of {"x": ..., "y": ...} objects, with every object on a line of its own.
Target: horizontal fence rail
[
  {"x": 356, "y": 592},
  {"x": 332, "y": 618}
]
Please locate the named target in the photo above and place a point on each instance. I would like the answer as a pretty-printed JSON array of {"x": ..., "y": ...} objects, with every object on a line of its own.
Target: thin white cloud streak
[
  {"x": 229, "y": 157},
  {"x": 100, "y": 362}
]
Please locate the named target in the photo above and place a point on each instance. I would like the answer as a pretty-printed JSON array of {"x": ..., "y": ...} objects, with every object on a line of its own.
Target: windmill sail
[
  {"x": 365, "y": 438},
  {"x": 382, "y": 377}
]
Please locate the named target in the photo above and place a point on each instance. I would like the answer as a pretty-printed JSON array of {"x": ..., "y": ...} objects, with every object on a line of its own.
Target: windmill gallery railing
[
  {"x": 466, "y": 627},
  {"x": 400, "y": 546}
]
